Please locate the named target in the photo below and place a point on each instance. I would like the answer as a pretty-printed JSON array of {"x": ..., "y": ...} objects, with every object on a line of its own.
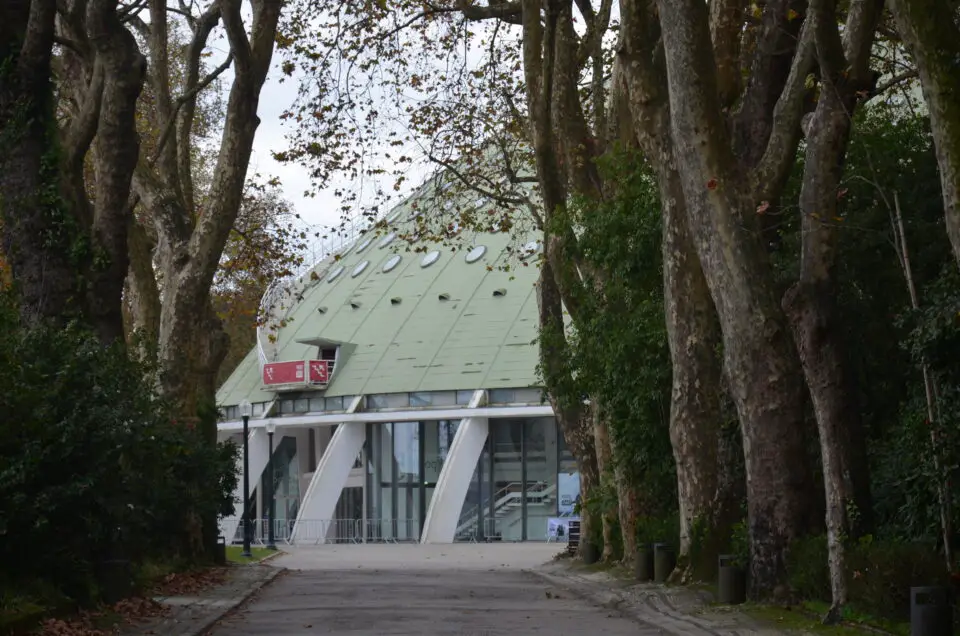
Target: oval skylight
[
  {"x": 430, "y": 259},
  {"x": 362, "y": 265},
  {"x": 364, "y": 245},
  {"x": 386, "y": 240},
  {"x": 392, "y": 262},
  {"x": 476, "y": 253},
  {"x": 336, "y": 272},
  {"x": 529, "y": 249}
]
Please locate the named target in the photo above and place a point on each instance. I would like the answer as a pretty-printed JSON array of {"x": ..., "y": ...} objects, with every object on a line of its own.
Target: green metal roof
[{"x": 448, "y": 326}]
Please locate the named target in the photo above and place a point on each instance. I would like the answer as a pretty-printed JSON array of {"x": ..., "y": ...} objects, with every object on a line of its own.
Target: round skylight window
[
  {"x": 476, "y": 253},
  {"x": 336, "y": 272},
  {"x": 364, "y": 245},
  {"x": 529, "y": 249},
  {"x": 392, "y": 262},
  {"x": 362, "y": 265},
  {"x": 430, "y": 259},
  {"x": 386, "y": 240}
]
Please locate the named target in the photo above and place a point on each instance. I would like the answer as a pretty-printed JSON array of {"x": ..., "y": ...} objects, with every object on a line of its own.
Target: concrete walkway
[
  {"x": 422, "y": 590},
  {"x": 490, "y": 589},
  {"x": 192, "y": 615}
]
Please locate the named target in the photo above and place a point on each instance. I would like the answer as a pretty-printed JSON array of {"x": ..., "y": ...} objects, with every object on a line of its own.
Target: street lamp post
[
  {"x": 246, "y": 410},
  {"x": 271, "y": 427}
]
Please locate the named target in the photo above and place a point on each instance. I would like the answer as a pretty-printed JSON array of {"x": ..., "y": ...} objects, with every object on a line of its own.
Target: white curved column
[
  {"x": 320, "y": 500},
  {"x": 440, "y": 526},
  {"x": 259, "y": 452}
]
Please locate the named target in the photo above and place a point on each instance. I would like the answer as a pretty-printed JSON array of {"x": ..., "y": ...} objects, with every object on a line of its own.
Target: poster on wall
[
  {"x": 558, "y": 528},
  {"x": 568, "y": 491}
]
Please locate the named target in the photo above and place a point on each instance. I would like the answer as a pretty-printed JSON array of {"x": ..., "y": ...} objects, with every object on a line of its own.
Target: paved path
[
  {"x": 422, "y": 590},
  {"x": 190, "y": 615}
]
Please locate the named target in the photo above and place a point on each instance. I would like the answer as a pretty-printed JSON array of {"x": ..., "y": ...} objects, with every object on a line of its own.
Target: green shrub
[
  {"x": 664, "y": 529},
  {"x": 879, "y": 573},
  {"x": 92, "y": 466},
  {"x": 807, "y": 568}
]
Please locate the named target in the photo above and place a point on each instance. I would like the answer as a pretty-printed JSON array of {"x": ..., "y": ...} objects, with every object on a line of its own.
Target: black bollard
[
  {"x": 931, "y": 613},
  {"x": 731, "y": 581},
  {"x": 643, "y": 562},
  {"x": 663, "y": 562},
  {"x": 220, "y": 555}
]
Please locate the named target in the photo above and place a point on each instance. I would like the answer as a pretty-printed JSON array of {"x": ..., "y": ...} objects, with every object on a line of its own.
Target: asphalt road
[{"x": 421, "y": 590}]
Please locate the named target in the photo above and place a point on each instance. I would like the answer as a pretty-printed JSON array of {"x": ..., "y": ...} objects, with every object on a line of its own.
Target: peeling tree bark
[
  {"x": 759, "y": 355},
  {"x": 692, "y": 330},
  {"x": 601, "y": 437},
  {"x": 190, "y": 342},
  {"x": 931, "y": 33},
  {"x": 143, "y": 296},
  {"x": 811, "y": 304}
]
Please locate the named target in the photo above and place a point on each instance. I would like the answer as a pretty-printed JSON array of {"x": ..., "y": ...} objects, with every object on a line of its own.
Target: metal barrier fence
[
  {"x": 315, "y": 531},
  {"x": 489, "y": 530}
]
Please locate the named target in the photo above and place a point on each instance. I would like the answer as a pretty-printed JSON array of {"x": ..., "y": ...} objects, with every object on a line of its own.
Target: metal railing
[
  {"x": 316, "y": 531},
  {"x": 487, "y": 531},
  {"x": 536, "y": 493}
]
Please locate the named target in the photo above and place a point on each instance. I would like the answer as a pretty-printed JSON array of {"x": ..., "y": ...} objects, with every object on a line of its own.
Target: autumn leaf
[
  {"x": 712, "y": 184},
  {"x": 792, "y": 15},
  {"x": 763, "y": 207}
]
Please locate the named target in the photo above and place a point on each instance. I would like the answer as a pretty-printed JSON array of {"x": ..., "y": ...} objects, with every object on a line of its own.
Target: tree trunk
[
  {"x": 760, "y": 358},
  {"x": 628, "y": 505},
  {"x": 39, "y": 229},
  {"x": 575, "y": 421},
  {"x": 601, "y": 437},
  {"x": 811, "y": 304},
  {"x": 931, "y": 34},
  {"x": 143, "y": 296},
  {"x": 117, "y": 152},
  {"x": 693, "y": 334}
]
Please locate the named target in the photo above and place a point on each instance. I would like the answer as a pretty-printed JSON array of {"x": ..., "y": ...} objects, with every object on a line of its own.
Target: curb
[
  {"x": 205, "y": 626},
  {"x": 666, "y": 622}
]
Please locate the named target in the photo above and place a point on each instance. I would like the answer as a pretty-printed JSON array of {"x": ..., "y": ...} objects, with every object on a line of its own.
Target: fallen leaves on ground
[
  {"x": 190, "y": 583},
  {"x": 95, "y": 623},
  {"x": 103, "y": 622}
]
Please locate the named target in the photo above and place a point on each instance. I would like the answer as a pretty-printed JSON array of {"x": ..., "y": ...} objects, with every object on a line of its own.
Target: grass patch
[
  {"x": 258, "y": 554},
  {"x": 807, "y": 619}
]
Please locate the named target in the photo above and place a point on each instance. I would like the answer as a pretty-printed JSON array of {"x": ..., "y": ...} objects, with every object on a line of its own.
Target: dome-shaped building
[{"x": 402, "y": 383}]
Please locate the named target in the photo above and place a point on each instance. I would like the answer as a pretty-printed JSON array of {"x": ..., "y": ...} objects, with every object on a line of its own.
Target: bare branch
[
  {"x": 779, "y": 155},
  {"x": 490, "y": 194},
  {"x": 83, "y": 127},
  {"x": 895, "y": 81},
  {"x": 237, "y": 36},
  {"x": 510, "y": 12},
  {"x": 184, "y": 99},
  {"x": 187, "y": 104}
]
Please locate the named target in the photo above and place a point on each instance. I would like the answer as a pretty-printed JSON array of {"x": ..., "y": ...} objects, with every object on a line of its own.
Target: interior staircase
[{"x": 507, "y": 505}]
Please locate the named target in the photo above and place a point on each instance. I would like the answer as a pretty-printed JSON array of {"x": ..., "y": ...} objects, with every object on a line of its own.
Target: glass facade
[{"x": 515, "y": 490}]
